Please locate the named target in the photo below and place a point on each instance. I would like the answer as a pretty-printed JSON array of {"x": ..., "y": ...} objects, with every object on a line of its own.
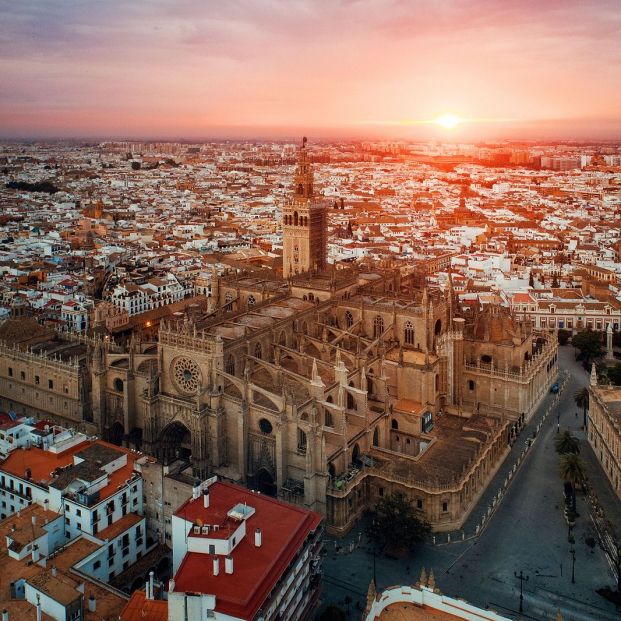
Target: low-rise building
[
  {"x": 421, "y": 602},
  {"x": 605, "y": 429},
  {"x": 238, "y": 554}
]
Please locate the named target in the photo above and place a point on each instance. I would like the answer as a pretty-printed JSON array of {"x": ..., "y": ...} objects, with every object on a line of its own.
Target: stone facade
[{"x": 604, "y": 430}]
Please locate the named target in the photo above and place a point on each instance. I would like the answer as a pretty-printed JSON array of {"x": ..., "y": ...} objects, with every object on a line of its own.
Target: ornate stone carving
[{"x": 186, "y": 375}]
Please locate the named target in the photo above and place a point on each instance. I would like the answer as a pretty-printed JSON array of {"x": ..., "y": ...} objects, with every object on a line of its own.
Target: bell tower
[{"x": 304, "y": 223}]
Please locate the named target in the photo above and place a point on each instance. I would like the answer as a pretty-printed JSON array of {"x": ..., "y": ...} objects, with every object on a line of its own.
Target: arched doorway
[
  {"x": 265, "y": 483},
  {"x": 175, "y": 443},
  {"x": 116, "y": 433}
]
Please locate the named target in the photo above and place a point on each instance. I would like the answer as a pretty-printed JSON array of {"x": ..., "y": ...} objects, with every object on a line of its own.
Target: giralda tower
[{"x": 304, "y": 223}]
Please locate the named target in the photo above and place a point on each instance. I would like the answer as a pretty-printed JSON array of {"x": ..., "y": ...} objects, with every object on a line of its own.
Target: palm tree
[
  {"x": 565, "y": 443},
  {"x": 572, "y": 471},
  {"x": 581, "y": 397}
]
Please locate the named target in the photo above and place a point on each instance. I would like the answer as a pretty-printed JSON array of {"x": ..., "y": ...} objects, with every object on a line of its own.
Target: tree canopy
[
  {"x": 395, "y": 524},
  {"x": 590, "y": 345},
  {"x": 565, "y": 443},
  {"x": 572, "y": 468}
]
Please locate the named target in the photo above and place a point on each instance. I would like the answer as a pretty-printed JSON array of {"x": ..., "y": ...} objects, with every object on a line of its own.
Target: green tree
[
  {"x": 333, "y": 613},
  {"x": 563, "y": 336},
  {"x": 581, "y": 397},
  {"x": 590, "y": 345},
  {"x": 565, "y": 443},
  {"x": 395, "y": 524},
  {"x": 614, "y": 374},
  {"x": 572, "y": 471}
]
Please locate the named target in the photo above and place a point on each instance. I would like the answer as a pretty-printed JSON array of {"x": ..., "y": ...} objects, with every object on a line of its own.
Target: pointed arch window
[
  {"x": 349, "y": 319},
  {"x": 408, "y": 333},
  {"x": 258, "y": 350},
  {"x": 378, "y": 326},
  {"x": 230, "y": 365}
]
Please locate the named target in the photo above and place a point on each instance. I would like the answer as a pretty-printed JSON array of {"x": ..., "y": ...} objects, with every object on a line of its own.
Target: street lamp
[
  {"x": 573, "y": 565},
  {"x": 522, "y": 578}
]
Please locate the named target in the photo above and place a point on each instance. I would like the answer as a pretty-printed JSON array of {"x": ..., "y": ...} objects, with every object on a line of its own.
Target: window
[
  {"x": 328, "y": 419},
  {"x": 37, "y": 379},
  {"x": 408, "y": 333},
  {"x": 394, "y": 424},
  {"x": 258, "y": 350},
  {"x": 50, "y": 384},
  {"x": 118, "y": 384},
  {"x": 78, "y": 512},
  {"x": 471, "y": 385},
  {"x": 349, "y": 319},
  {"x": 22, "y": 375},
  {"x": 251, "y": 300},
  {"x": 230, "y": 365},
  {"x": 10, "y": 371},
  {"x": 301, "y": 440},
  {"x": 96, "y": 565},
  {"x": 378, "y": 326},
  {"x": 444, "y": 507},
  {"x": 381, "y": 491},
  {"x": 419, "y": 503},
  {"x": 265, "y": 426}
]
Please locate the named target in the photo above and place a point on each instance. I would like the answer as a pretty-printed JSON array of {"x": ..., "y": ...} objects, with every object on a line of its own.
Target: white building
[{"x": 241, "y": 555}]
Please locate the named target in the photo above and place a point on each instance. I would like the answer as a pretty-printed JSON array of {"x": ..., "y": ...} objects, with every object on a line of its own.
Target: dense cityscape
[{"x": 310, "y": 311}]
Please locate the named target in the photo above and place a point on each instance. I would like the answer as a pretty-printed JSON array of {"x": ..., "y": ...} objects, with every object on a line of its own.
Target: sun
[{"x": 448, "y": 120}]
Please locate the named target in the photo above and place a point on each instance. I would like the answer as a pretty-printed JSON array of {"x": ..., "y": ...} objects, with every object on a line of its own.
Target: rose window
[{"x": 186, "y": 375}]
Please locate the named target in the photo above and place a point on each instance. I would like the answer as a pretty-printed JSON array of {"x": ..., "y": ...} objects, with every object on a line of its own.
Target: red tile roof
[
  {"x": 139, "y": 608},
  {"x": 284, "y": 529}
]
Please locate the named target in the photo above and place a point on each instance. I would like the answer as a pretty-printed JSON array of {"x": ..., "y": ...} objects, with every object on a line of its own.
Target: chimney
[
  {"x": 54, "y": 571},
  {"x": 35, "y": 553},
  {"x": 171, "y": 585},
  {"x": 39, "y": 615},
  {"x": 216, "y": 565},
  {"x": 257, "y": 537},
  {"x": 206, "y": 498},
  {"x": 34, "y": 520},
  {"x": 46, "y": 503},
  {"x": 5, "y": 615},
  {"x": 92, "y": 603},
  {"x": 151, "y": 586},
  {"x": 147, "y": 594},
  {"x": 228, "y": 564}
]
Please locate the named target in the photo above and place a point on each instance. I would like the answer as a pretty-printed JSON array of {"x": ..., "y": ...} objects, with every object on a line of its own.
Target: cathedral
[{"x": 328, "y": 388}]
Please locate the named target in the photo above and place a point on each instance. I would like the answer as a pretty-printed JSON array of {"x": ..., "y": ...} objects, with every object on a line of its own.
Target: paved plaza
[{"x": 526, "y": 532}]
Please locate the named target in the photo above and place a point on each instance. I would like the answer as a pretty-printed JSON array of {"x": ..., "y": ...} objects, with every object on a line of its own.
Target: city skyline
[{"x": 351, "y": 69}]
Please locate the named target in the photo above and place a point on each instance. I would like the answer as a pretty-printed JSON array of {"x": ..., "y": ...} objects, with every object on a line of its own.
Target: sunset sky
[{"x": 203, "y": 68}]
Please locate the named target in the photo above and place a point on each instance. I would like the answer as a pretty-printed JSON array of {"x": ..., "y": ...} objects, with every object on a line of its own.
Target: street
[{"x": 527, "y": 532}]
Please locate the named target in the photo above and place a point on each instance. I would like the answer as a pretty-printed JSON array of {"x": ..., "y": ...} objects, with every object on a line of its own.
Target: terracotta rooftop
[{"x": 139, "y": 608}]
